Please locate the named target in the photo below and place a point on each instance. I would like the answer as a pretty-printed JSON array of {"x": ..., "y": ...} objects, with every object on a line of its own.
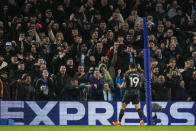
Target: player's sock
[
  {"x": 140, "y": 114},
  {"x": 121, "y": 114}
]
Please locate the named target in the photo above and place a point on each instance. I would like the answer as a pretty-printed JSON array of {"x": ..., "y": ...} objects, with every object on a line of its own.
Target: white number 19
[{"x": 134, "y": 81}]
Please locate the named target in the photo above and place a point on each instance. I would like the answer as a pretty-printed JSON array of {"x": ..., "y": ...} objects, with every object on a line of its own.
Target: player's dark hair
[{"x": 132, "y": 65}]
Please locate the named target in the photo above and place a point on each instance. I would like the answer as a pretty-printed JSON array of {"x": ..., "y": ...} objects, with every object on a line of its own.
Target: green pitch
[{"x": 97, "y": 128}]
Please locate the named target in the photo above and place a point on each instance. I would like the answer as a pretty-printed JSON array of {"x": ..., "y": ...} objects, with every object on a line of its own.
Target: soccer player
[{"x": 132, "y": 93}]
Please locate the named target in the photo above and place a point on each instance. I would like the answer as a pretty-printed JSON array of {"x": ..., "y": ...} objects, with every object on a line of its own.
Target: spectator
[
  {"x": 17, "y": 74},
  {"x": 113, "y": 54},
  {"x": 70, "y": 67},
  {"x": 159, "y": 87},
  {"x": 44, "y": 87},
  {"x": 59, "y": 38},
  {"x": 172, "y": 9},
  {"x": 13, "y": 8},
  {"x": 160, "y": 33},
  {"x": 98, "y": 52},
  {"x": 25, "y": 91},
  {"x": 192, "y": 90},
  {"x": 90, "y": 73},
  {"x": 69, "y": 92},
  {"x": 118, "y": 81},
  {"x": 108, "y": 81},
  {"x": 126, "y": 57},
  {"x": 82, "y": 55},
  {"x": 5, "y": 91},
  {"x": 146, "y": 7},
  {"x": 107, "y": 92},
  {"x": 2, "y": 38},
  {"x": 194, "y": 58},
  {"x": 60, "y": 81},
  {"x": 134, "y": 13},
  {"x": 3, "y": 64},
  {"x": 159, "y": 13},
  {"x": 8, "y": 50},
  {"x": 154, "y": 74},
  {"x": 38, "y": 67},
  {"x": 95, "y": 92},
  {"x": 4, "y": 14},
  {"x": 172, "y": 66},
  {"x": 180, "y": 18},
  {"x": 187, "y": 73},
  {"x": 173, "y": 80},
  {"x": 160, "y": 57},
  {"x": 102, "y": 29},
  {"x": 96, "y": 19},
  {"x": 60, "y": 58},
  {"x": 80, "y": 75},
  {"x": 182, "y": 93},
  {"x": 105, "y": 9}
]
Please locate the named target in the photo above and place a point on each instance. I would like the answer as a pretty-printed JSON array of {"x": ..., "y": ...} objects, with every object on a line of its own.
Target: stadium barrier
[{"x": 91, "y": 113}]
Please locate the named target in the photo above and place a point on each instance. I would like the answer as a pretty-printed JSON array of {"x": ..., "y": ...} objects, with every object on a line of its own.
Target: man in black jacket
[
  {"x": 25, "y": 91},
  {"x": 60, "y": 80},
  {"x": 192, "y": 88},
  {"x": 44, "y": 87},
  {"x": 159, "y": 87}
]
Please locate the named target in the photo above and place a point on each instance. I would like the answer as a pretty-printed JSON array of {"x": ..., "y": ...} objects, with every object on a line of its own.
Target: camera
[{"x": 157, "y": 108}]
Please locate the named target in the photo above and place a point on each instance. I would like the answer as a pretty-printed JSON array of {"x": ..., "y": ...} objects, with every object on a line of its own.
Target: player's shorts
[{"x": 127, "y": 98}]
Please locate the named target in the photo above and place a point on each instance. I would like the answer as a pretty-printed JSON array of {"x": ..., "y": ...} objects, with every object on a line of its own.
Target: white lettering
[
  {"x": 6, "y": 105},
  {"x": 41, "y": 113},
  {"x": 64, "y": 114},
  {"x": 179, "y": 113},
  {"x": 182, "y": 115},
  {"x": 101, "y": 117}
]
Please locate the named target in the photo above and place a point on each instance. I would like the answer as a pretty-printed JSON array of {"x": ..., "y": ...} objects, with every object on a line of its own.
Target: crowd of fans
[{"x": 80, "y": 49}]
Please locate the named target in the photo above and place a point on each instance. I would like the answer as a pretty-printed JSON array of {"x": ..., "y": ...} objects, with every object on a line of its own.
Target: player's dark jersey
[{"x": 132, "y": 80}]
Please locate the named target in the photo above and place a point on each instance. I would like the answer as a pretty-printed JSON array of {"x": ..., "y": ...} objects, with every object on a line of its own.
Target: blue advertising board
[{"x": 91, "y": 113}]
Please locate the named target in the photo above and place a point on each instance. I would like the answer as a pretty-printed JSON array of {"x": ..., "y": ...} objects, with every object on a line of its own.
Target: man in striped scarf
[{"x": 4, "y": 89}]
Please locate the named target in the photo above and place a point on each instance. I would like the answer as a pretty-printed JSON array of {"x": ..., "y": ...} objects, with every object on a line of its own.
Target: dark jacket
[
  {"x": 71, "y": 92},
  {"x": 44, "y": 89},
  {"x": 95, "y": 93},
  {"x": 25, "y": 92},
  {"x": 124, "y": 61},
  {"x": 187, "y": 76},
  {"x": 192, "y": 90},
  {"x": 59, "y": 83},
  {"x": 161, "y": 92},
  {"x": 181, "y": 94}
]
